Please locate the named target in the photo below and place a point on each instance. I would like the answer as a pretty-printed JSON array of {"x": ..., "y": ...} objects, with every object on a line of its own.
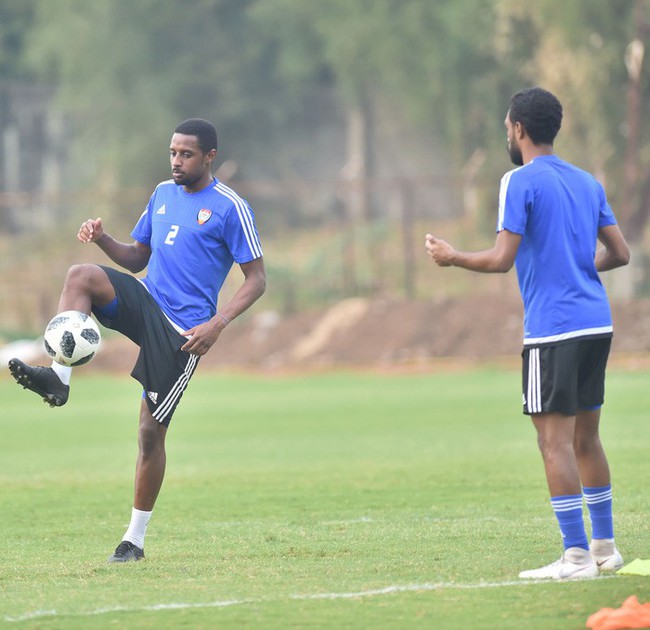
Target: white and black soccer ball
[{"x": 72, "y": 338}]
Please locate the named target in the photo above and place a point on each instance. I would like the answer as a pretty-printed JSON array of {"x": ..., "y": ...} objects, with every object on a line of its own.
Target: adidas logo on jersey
[
  {"x": 161, "y": 210},
  {"x": 153, "y": 397}
]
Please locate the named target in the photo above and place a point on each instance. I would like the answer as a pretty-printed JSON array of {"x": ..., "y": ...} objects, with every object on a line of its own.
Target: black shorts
[
  {"x": 163, "y": 369},
  {"x": 565, "y": 377}
]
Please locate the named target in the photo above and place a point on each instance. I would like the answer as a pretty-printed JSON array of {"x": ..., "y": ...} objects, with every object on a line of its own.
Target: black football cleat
[
  {"x": 126, "y": 551},
  {"x": 42, "y": 381}
]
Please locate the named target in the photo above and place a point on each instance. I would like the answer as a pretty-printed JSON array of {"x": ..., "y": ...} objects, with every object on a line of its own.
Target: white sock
[
  {"x": 137, "y": 527},
  {"x": 63, "y": 372}
]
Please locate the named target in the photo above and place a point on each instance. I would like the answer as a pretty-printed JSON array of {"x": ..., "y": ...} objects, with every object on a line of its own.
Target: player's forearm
[
  {"x": 616, "y": 252},
  {"x": 498, "y": 259},
  {"x": 607, "y": 260},
  {"x": 124, "y": 254},
  {"x": 250, "y": 291},
  {"x": 486, "y": 261}
]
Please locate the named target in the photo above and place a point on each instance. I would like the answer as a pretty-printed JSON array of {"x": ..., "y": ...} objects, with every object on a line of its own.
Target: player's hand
[
  {"x": 91, "y": 230},
  {"x": 440, "y": 251},
  {"x": 201, "y": 338}
]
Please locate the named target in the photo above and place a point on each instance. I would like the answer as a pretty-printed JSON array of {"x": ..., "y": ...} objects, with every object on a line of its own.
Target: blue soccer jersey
[
  {"x": 194, "y": 240},
  {"x": 557, "y": 209}
]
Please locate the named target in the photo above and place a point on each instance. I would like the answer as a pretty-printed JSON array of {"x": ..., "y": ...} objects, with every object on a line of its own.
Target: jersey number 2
[{"x": 171, "y": 235}]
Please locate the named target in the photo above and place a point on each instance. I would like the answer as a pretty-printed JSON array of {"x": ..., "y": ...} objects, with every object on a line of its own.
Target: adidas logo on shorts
[{"x": 153, "y": 397}]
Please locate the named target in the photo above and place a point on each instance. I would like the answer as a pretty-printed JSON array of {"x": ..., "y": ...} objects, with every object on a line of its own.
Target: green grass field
[{"x": 326, "y": 500}]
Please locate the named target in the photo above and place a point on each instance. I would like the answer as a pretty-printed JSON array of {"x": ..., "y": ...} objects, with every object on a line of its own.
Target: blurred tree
[
  {"x": 261, "y": 68},
  {"x": 126, "y": 64},
  {"x": 566, "y": 57},
  {"x": 315, "y": 99},
  {"x": 141, "y": 67},
  {"x": 435, "y": 60},
  {"x": 16, "y": 20},
  {"x": 584, "y": 59}
]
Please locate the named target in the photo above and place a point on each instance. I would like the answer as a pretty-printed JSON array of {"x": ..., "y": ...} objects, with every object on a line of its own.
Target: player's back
[
  {"x": 563, "y": 217},
  {"x": 563, "y": 208}
]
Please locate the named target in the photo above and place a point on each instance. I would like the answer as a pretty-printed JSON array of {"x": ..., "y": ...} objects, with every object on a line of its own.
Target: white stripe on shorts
[
  {"x": 534, "y": 391},
  {"x": 176, "y": 391}
]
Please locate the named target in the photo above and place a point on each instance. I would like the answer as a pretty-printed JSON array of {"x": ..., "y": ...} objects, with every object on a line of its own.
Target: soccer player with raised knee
[
  {"x": 551, "y": 217},
  {"x": 188, "y": 237}
]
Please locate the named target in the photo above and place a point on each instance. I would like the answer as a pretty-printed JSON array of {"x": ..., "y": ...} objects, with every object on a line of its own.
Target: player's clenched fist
[
  {"x": 90, "y": 230},
  {"x": 441, "y": 251}
]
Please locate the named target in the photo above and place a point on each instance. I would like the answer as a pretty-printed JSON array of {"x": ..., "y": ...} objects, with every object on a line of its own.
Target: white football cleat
[
  {"x": 575, "y": 564},
  {"x": 606, "y": 555}
]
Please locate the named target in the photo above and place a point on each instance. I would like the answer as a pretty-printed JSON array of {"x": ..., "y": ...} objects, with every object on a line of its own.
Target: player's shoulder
[
  {"x": 166, "y": 188},
  {"x": 554, "y": 163},
  {"x": 168, "y": 183},
  {"x": 578, "y": 176},
  {"x": 225, "y": 191},
  {"x": 229, "y": 197},
  {"x": 538, "y": 169},
  {"x": 514, "y": 175}
]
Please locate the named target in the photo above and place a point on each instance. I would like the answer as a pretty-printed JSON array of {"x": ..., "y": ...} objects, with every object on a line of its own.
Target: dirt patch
[{"x": 383, "y": 333}]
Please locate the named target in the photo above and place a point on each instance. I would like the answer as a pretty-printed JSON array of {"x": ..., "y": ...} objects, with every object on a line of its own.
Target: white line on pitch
[{"x": 387, "y": 590}]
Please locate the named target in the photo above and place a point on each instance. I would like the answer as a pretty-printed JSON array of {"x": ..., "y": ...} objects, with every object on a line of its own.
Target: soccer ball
[{"x": 72, "y": 338}]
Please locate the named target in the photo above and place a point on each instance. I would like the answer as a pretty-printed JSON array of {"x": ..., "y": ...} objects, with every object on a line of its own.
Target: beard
[
  {"x": 515, "y": 154},
  {"x": 185, "y": 179}
]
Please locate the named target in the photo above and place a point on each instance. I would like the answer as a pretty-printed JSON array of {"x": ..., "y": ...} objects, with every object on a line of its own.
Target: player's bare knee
[
  {"x": 151, "y": 434},
  {"x": 79, "y": 277},
  {"x": 151, "y": 438},
  {"x": 544, "y": 447},
  {"x": 89, "y": 280},
  {"x": 553, "y": 449},
  {"x": 586, "y": 445}
]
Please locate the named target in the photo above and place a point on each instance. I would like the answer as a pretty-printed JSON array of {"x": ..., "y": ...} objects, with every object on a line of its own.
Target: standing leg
[
  {"x": 595, "y": 477},
  {"x": 590, "y": 456},
  {"x": 555, "y": 437},
  {"x": 150, "y": 467},
  {"x": 149, "y": 474}
]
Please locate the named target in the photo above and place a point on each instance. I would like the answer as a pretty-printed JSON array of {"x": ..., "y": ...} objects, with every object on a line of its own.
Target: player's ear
[
  {"x": 211, "y": 155},
  {"x": 520, "y": 130}
]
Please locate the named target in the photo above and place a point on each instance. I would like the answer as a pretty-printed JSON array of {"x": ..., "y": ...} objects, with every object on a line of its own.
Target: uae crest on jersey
[{"x": 203, "y": 216}]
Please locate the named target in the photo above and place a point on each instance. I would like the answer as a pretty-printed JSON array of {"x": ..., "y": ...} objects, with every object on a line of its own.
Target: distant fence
[{"x": 324, "y": 240}]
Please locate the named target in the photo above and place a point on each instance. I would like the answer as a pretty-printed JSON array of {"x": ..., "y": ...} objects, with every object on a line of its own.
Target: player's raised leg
[{"x": 85, "y": 286}]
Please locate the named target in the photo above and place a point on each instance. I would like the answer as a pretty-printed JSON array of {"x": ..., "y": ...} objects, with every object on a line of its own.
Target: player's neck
[
  {"x": 200, "y": 184},
  {"x": 531, "y": 151}
]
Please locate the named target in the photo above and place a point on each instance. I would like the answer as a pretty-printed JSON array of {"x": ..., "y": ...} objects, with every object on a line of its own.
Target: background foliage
[
  {"x": 355, "y": 125},
  {"x": 255, "y": 67}
]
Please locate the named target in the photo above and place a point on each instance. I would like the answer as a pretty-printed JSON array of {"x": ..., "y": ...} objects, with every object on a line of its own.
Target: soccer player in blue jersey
[
  {"x": 551, "y": 215},
  {"x": 188, "y": 237}
]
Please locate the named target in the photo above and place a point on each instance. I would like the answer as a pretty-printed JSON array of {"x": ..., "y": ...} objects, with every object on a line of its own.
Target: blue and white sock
[
  {"x": 599, "y": 503},
  {"x": 568, "y": 510}
]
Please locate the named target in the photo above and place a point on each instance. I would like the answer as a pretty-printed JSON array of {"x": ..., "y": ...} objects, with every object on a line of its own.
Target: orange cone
[{"x": 631, "y": 614}]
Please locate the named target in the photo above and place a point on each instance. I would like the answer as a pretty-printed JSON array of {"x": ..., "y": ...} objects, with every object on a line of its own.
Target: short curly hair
[
  {"x": 204, "y": 131},
  {"x": 539, "y": 112}
]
